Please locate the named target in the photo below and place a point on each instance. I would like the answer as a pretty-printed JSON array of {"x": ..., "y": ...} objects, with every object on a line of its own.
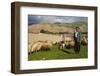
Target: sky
[{"x": 35, "y": 19}]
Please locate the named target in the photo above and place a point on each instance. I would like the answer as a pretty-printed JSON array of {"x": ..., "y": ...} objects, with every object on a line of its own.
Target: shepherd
[{"x": 77, "y": 40}]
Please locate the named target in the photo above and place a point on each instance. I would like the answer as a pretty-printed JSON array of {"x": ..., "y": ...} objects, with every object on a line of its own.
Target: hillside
[{"x": 57, "y": 27}]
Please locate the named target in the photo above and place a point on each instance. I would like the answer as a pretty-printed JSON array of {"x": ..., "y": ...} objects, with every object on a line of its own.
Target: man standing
[{"x": 77, "y": 39}]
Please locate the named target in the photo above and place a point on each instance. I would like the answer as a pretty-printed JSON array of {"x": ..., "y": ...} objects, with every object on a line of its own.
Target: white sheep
[
  {"x": 38, "y": 46},
  {"x": 29, "y": 48},
  {"x": 84, "y": 41},
  {"x": 35, "y": 47},
  {"x": 68, "y": 39},
  {"x": 46, "y": 45},
  {"x": 71, "y": 44}
]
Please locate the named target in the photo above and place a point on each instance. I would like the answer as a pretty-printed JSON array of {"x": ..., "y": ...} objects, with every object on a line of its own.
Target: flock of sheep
[
  {"x": 38, "y": 46},
  {"x": 47, "y": 45},
  {"x": 70, "y": 43}
]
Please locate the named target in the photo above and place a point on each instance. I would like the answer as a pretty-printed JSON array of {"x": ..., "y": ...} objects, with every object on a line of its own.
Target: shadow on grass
[{"x": 66, "y": 51}]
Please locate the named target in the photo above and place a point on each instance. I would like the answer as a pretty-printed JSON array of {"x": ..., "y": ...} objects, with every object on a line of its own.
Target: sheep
[
  {"x": 54, "y": 43},
  {"x": 68, "y": 39},
  {"x": 67, "y": 44},
  {"x": 84, "y": 41},
  {"x": 71, "y": 44},
  {"x": 38, "y": 46},
  {"x": 60, "y": 44},
  {"x": 34, "y": 47},
  {"x": 29, "y": 48},
  {"x": 46, "y": 45}
]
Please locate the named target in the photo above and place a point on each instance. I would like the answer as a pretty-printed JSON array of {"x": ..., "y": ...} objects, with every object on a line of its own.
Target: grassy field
[{"x": 56, "y": 53}]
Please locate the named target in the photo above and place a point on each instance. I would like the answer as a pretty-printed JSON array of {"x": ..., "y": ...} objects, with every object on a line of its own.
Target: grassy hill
[
  {"x": 56, "y": 53},
  {"x": 57, "y": 27}
]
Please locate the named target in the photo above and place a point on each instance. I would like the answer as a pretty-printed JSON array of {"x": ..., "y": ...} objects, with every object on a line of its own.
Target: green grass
[{"x": 56, "y": 53}]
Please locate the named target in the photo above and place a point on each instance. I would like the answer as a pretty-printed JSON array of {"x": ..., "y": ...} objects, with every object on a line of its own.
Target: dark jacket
[{"x": 78, "y": 37}]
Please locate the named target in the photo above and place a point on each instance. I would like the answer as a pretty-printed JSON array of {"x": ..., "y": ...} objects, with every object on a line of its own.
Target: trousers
[{"x": 77, "y": 47}]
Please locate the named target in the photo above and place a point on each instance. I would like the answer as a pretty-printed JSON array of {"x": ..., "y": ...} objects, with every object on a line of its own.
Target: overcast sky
[{"x": 34, "y": 19}]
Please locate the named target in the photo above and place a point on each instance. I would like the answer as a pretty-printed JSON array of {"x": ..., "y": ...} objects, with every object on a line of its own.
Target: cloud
[{"x": 33, "y": 19}]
